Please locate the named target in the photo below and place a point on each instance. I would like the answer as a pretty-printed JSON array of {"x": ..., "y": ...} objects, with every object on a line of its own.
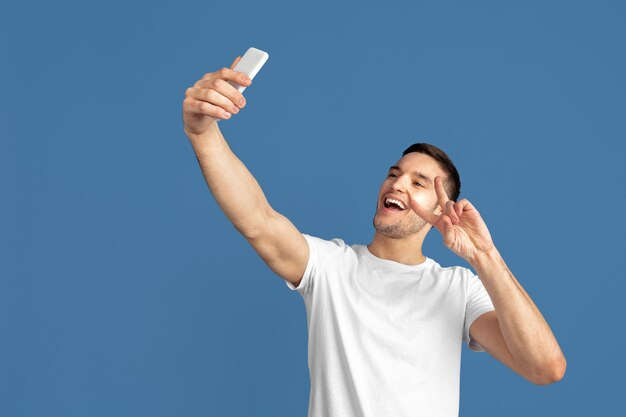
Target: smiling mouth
[{"x": 391, "y": 207}]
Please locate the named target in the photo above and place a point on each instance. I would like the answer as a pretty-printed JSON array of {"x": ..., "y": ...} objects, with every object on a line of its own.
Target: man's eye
[
  {"x": 391, "y": 175},
  {"x": 418, "y": 184}
]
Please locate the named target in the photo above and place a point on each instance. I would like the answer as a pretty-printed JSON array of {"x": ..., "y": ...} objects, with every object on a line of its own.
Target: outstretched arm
[
  {"x": 233, "y": 186},
  {"x": 529, "y": 347},
  {"x": 277, "y": 241}
]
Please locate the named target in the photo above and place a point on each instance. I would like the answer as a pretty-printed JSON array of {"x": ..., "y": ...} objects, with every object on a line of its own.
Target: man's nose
[{"x": 399, "y": 184}]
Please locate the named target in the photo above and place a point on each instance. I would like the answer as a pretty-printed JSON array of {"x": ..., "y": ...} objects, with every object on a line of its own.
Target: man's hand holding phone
[{"x": 213, "y": 98}]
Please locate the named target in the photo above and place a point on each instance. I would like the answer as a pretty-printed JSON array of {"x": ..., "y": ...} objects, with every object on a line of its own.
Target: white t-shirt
[{"x": 385, "y": 338}]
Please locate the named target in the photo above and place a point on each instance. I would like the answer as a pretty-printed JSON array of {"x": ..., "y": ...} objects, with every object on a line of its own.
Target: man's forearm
[
  {"x": 233, "y": 186},
  {"x": 527, "y": 335}
]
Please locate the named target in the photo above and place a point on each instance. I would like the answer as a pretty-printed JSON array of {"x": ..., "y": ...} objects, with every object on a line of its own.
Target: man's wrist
[
  {"x": 485, "y": 260},
  {"x": 201, "y": 142},
  {"x": 212, "y": 130}
]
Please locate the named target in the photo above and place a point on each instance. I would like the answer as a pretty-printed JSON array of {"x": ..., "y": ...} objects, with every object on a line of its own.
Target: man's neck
[{"x": 406, "y": 251}]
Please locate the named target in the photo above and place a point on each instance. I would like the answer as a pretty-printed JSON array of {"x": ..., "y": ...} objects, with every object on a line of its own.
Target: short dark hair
[{"x": 452, "y": 183}]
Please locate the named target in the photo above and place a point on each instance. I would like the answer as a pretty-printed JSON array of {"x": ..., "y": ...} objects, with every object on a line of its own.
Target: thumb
[{"x": 235, "y": 62}]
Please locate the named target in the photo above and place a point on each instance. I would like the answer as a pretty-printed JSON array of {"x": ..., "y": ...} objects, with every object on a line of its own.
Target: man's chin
[
  {"x": 391, "y": 230},
  {"x": 396, "y": 230}
]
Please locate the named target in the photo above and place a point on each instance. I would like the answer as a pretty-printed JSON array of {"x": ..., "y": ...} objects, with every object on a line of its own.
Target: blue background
[{"x": 125, "y": 291}]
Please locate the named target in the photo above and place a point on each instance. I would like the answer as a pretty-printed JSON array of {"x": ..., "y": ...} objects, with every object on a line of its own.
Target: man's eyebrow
[{"x": 416, "y": 173}]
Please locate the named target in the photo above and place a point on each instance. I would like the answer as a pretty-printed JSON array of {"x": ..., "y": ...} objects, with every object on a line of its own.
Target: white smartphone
[{"x": 250, "y": 64}]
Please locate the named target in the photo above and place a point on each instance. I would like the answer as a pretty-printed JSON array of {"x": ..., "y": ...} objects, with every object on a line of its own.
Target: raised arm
[{"x": 277, "y": 241}]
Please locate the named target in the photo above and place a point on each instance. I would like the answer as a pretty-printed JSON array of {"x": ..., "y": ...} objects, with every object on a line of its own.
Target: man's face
[{"x": 411, "y": 177}]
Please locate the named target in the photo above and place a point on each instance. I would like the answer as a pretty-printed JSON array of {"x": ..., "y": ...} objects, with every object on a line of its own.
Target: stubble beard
[{"x": 401, "y": 228}]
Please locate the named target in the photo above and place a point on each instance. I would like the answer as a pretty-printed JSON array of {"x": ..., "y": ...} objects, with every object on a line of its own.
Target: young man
[{"x": 386, "y": 323}]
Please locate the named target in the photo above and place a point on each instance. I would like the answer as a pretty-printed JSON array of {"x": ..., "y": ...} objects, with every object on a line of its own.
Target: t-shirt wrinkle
[{"x": 385, "y": 338}]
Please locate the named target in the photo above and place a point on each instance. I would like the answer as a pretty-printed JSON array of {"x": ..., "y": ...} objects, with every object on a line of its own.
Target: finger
[
  {"x": 447, "y": 231},
  {"x": 229, "y": 74},
  {"x": 442, "y": 196},
  {"x": 191, "y": 105},
  {"x": 224, "y": 89},
  {"x": 236, "y": 77},
  {"x": 430, "y": 217},
  {"x": 460, "y": 206},
  {"x": 467, "y": 206},
  {"x": 450, "y": 211},
  {"x": 235, "y": 62},
  {"x": 213, "y": 97}
]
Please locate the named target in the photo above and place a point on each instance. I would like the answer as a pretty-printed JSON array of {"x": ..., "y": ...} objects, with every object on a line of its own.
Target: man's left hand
[{"x": 463, "y": 230}]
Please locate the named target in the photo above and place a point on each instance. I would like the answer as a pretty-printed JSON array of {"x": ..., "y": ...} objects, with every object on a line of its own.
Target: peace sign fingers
[
  {"x": 442, "y": 196},
  {"x": 431, "y": 218},
  {"x": 448, "y": 207}
]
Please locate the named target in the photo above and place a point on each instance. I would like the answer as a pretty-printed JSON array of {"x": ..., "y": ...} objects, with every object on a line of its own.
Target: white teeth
[{"x": 399, "y": 203}]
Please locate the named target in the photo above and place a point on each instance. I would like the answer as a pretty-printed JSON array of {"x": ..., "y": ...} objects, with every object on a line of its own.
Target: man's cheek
[{"x": 422, "y": 200}]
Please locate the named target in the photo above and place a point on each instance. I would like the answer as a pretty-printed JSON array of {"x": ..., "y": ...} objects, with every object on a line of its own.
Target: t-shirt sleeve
[
  {"x": 321, "y": 253},
  {"x": 478, "y": 303}
]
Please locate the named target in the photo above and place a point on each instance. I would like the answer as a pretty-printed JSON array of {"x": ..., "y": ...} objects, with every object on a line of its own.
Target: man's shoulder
[
  {"x": 334, "y": 245},
  {"x": 335, "y": 241},
  {"x": 453, "y": 271}
]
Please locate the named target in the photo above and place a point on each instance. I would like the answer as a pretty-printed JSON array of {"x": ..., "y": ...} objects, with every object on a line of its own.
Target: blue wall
[{"x": 125, "y": 291}]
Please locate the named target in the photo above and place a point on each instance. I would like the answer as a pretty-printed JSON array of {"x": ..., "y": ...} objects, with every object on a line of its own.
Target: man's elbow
[{"x": 551, "y": 374}]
